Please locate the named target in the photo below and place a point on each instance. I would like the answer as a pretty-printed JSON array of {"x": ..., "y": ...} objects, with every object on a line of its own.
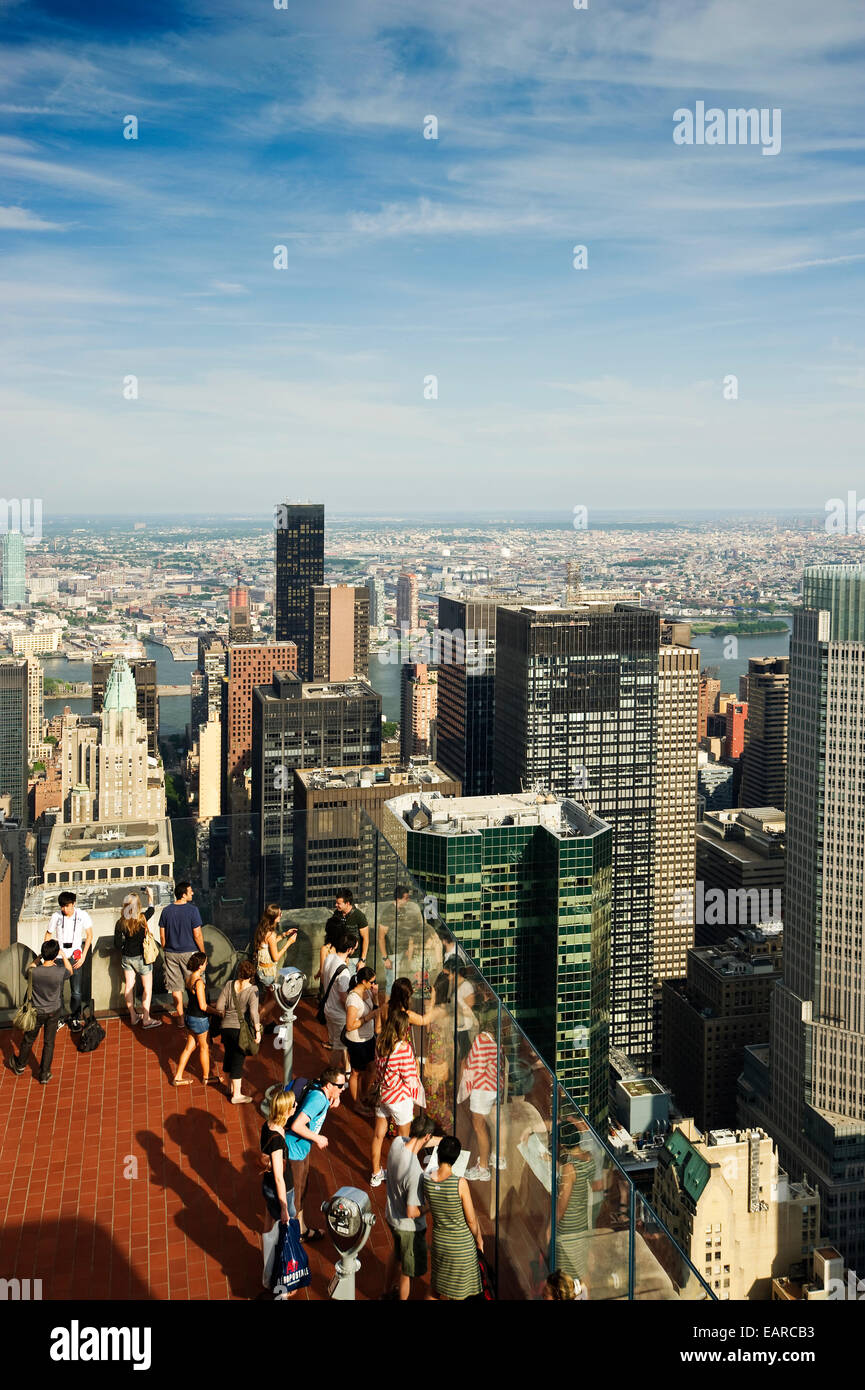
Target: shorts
[
  {"x": 136, "y": 963},
  {"x": 334, "y": 1030},
  {"x": 481, "y": 1102},
  {"x": 268, "y": 1192},
  {"x": 402, "y": 1113},
  {"x": 196, "y": 1025},
  {"x": 411, "y": 1252},
  {"x": 175, "y": 969},
  {"x": 360, "y": 1054}
]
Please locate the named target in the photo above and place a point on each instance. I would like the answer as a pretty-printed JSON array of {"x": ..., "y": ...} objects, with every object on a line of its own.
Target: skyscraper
[
  {"x": 813, "y": 1091},
  {"x": 299, "y": 565},
  {"x": 576, "y": 711},
  {"x": 207, "y": 681},
  {"x": 108, "y": 771},
  {"x": 339, "y": 624},
  {"x": 525, "y": 882},
  {"x": 14, "y": 735},
  {"x": 144, "y": 675},
  {"x": 764, "y": 761},
  {"x": 35, "y": 705},
  {"x": 239, "y": 620},
  {"x": 131, "y": 782},
  {"x": 418, "y": 705},
  {"x": 248, "y": 666},
  {"x": 736, "y": 720},
  {"x": 676, "y": 820},
  {"x": 295, "y": 725},
  {"x": 375, "y": 584},
  {"x": 466, "y": 692},
  {"x": 14, "y": 570},
  {"x": 710, "y": 689},
  {"x": 406, "y": 602}
]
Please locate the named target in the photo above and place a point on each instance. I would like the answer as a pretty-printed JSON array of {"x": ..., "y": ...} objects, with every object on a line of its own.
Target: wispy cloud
[{"x": 15, "y": 219}]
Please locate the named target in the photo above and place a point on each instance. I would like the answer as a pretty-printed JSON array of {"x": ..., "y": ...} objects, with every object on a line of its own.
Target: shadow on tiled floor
[{"x": 115, "y": 1185}]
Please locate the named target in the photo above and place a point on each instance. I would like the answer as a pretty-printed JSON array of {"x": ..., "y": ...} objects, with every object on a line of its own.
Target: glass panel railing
[
  {"x": 661, "y": 1270},
  {"x": 524, "y": 1176},
  {"x": 593, "y": 1197}
]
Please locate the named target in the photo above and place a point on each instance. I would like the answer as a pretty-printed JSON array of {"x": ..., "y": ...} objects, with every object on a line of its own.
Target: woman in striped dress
[
  {"x": 456, "y": 1236},
  {"x": 577, "y": 1181},
  {"x": 397, "y": 1083}
]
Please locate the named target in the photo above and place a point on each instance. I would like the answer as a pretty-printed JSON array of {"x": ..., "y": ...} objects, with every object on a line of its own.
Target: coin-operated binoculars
[
  {"x": 349, "y": 1219},
  {"x": 288, "y": 989}
]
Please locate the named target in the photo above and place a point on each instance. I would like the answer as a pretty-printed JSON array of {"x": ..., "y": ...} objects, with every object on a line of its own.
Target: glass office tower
[
  {"x": 576, "y": 710},
  {"x": 299, "y": 565}
]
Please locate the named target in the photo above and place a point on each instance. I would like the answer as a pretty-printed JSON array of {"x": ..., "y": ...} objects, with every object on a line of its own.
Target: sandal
[
  {"x": 242, "y": 1100},
  {"x": 184, "y": 1081},
  {"x": 311, "y": 1236}
]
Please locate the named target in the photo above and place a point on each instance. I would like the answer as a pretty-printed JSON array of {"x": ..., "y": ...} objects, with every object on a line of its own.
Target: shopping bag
[{"x": 291, "y": 1267}]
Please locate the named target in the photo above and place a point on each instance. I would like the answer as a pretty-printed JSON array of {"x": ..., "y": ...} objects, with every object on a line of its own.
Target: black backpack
[{"x": 91, "y": 1034}]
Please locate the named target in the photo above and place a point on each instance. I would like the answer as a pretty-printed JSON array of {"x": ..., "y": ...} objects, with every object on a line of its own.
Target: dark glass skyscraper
[
  {"x": 13, "y": 735},
  {"x": 299, "y": 565},
  {"x": 576, "y": 708},
  {"x": 466, "y": 692},
  {"x": 300, "y": 725}
]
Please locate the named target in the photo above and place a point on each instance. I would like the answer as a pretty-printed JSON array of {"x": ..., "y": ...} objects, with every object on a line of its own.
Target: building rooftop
[
  {"x": 287, "y": 683},
  {"x": 99, "y": 840},
  {"x": 372, "y": 774},
  {"x": 470, "y": 815}
]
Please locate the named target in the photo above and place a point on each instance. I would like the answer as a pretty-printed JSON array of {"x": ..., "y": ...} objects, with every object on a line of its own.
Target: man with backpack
[
  {"x": 336, "y": 979},
  {"x": 48, "y": 976},
  {"x": 305, "y": 1130}
]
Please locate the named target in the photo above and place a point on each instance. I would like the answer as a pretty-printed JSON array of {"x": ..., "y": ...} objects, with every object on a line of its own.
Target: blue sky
[{"x": 410, "y": 257}]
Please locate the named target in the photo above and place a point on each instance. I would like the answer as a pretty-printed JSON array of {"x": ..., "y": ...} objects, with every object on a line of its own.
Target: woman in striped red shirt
[
  {"x": 398, "y": 1084},
  {"x": 480, "y": 1084}
]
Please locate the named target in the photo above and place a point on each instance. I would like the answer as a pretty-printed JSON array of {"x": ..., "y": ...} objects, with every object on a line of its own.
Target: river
[
  {"x": 384, "y": 676},
  {"x": 174, "y": 710}
]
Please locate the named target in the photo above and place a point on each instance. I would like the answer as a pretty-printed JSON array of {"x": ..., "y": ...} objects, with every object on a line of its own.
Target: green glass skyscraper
[
  {"x": 525, "y": 884},
  {"x": 14, "y": 570}
]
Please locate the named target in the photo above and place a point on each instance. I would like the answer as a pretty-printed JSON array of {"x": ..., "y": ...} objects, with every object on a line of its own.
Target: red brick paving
[{"x": 188, "y": 1226}]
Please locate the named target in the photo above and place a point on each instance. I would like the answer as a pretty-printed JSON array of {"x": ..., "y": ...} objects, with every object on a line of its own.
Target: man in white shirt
[{"x": 73, "y": 930}]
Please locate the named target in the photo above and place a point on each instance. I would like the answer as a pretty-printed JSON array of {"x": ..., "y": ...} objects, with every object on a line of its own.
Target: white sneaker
[
  {"x": 500, "y": 1163},
  {"x": 477, "y": 1174},
  {"x": 377, "y": 1178}
]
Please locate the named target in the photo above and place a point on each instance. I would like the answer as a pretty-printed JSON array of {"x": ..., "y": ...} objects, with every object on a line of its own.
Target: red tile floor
[{"x": 113, "y": 1184}]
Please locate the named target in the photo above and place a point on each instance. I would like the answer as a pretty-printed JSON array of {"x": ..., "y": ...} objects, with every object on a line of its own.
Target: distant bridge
[{"x": 82, "y": 690}]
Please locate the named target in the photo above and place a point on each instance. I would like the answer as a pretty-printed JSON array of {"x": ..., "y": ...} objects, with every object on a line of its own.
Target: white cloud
[{"x": 15, "y": 219}]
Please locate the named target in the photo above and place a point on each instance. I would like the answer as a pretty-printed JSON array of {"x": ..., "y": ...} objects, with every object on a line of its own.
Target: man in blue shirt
[
  {"x": 181, "y": 936},
  {"x": 323, "y": 1095}
]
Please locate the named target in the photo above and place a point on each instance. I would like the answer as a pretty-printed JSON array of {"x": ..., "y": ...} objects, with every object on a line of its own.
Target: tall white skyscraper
[{"x": 812, "y": 1091}]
